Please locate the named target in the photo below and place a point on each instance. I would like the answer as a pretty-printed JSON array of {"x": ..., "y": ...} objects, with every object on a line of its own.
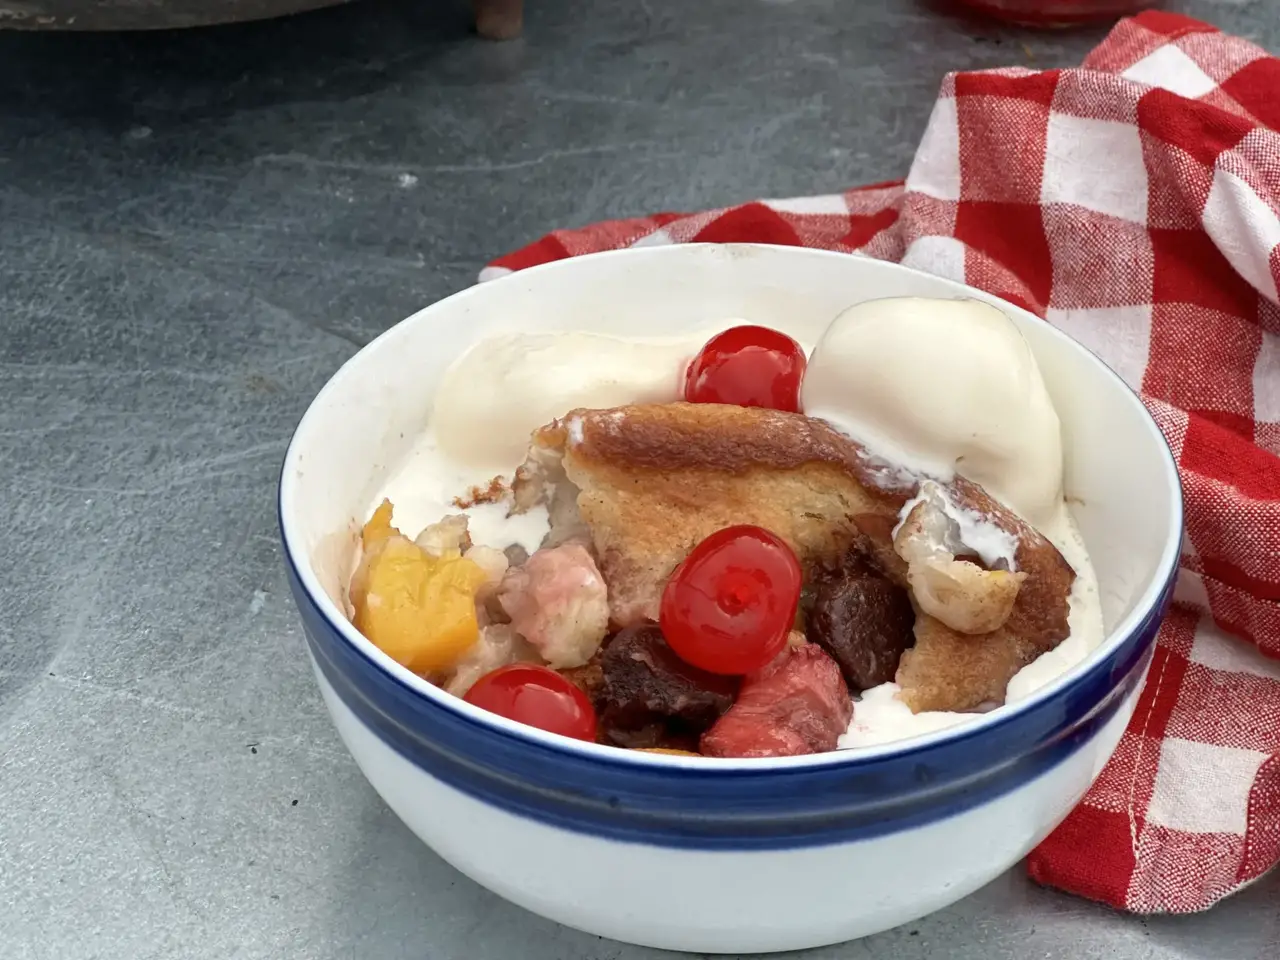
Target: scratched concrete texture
[{"x": 195, "y": 231}]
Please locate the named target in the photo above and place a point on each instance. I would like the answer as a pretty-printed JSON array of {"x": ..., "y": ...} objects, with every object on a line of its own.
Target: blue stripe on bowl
[{"x": 721, "y": 809}]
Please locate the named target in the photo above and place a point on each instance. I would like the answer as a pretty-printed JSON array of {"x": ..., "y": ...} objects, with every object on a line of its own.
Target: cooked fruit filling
[{"x": 720, "y": 574}]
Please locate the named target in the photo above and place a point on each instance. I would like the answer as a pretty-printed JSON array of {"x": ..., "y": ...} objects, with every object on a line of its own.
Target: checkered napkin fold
[{"x": 1134, "y": 203}]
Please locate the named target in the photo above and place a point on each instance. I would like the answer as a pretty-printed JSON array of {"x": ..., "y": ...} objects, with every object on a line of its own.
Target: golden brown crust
[
  {"x": 947, "y": 670},
  {"x": 718, "y": 438},
  {"x": 951, "y": 671},
  {"x": 492, "y": 492},
  {"x": 655, "y": 480}
]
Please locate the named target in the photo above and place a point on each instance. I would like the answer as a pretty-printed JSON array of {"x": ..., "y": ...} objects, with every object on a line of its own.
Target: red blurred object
[{"x": 1056, "y": 13}]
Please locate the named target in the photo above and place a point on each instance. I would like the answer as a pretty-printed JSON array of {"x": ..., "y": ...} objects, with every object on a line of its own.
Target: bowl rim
[{"x": 296, "y": 555}]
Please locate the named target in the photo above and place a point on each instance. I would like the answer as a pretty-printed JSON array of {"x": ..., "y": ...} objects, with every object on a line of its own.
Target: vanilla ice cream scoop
[
  {"x": 942, "y": 387},
  {"x": 507, "y": 386}
]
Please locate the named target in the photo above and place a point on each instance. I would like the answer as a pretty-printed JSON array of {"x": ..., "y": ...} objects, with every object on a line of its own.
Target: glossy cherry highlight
[
  {"x": 537, "y": 696},
  {"x": 729, "y": 607},
  {"x": 748, "y": 366}
]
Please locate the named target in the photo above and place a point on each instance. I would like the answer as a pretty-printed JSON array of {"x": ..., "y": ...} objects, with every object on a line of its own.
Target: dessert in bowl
[{"x": 943, "y": 584}]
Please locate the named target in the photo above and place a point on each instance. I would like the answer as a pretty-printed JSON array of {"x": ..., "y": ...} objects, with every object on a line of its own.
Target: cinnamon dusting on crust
[{"x": 494, "y": 492}]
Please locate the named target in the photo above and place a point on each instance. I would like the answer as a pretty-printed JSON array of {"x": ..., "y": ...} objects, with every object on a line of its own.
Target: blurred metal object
[
  {"x": 143, "y": 14},
  {"x": 495, "y": 19}
]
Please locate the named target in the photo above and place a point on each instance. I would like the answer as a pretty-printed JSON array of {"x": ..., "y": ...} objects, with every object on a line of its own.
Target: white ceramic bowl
[{"x": 720, "y": 856}]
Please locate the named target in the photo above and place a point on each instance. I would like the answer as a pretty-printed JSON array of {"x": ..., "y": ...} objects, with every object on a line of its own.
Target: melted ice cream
[{"x": 936, "y": 387}]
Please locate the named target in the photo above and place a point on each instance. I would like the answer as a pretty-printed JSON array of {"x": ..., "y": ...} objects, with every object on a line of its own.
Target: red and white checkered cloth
[{"x": 1133, "y": 202}]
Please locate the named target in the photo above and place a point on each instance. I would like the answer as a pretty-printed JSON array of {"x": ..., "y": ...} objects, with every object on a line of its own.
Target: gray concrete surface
[{"x": 195, "y": 231}]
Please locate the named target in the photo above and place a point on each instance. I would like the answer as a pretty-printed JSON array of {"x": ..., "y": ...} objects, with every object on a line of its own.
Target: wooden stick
[{"x": 499, "y": 19}]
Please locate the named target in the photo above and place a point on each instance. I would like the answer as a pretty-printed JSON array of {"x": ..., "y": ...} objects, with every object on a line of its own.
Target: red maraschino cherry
[
  {"x": 537, "y": 696},
  {"x": 748, "y": 366},
  {"x": 729, "y": 607}
]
